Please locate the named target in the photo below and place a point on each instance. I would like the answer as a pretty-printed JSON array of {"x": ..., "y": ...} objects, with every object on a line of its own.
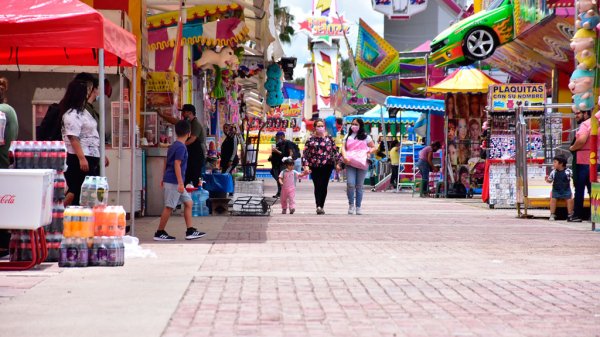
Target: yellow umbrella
[{"x": 463, "y": 80}]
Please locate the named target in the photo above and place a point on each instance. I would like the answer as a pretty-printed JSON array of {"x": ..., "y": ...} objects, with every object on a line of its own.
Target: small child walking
[
  {"x": 560, "y": 177},
  {"x": 287, "y": 179},
  {"x": 174, "y": 190}
]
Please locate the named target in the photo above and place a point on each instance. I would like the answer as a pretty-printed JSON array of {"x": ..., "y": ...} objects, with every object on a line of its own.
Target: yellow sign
[
  {"x": 504, "y": 97},
  {"x": 160, "y": 81}
]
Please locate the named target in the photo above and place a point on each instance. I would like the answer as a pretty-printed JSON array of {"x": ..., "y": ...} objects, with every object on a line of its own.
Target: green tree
[
  {"x": 346, "y": 70},
  {"x": 283, "y": 22}
]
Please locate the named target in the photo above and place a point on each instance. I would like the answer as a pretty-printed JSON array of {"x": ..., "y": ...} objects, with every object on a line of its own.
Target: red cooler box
[{"x": 25, "y": 198}]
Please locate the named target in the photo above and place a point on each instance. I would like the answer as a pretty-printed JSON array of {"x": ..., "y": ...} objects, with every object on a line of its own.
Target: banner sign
[
  {"x": 325, "y": 25},
  {"x": 504, "y": 97}
]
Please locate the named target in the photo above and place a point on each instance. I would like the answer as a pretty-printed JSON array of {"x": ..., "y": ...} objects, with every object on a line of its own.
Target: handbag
[{"x": 357, "y": 153}]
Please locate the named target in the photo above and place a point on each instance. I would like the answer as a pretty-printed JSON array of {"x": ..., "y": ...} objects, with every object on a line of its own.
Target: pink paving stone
[{"x": 412, "y": 267}]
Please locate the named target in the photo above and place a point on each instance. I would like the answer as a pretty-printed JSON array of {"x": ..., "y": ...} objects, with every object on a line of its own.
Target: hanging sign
[
  {"x": 505, "y": 97},
  {"x": 324, "y": 24}
]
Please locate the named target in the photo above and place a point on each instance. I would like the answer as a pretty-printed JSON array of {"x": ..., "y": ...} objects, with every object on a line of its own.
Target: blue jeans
[
  {"x": 425, "y": 169},
  {"x": 354, "y": 184},
  {"x": 582, "y": 180}
]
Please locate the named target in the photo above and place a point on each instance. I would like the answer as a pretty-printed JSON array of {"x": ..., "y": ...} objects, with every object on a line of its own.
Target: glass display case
[
  {"x": 114, "y": 112},
  {"x": 150, "y": 128}
]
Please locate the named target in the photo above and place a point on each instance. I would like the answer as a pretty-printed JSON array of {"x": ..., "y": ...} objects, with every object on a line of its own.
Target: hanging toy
[
  {"x": 226, "y": 58},
  {"x": 581, "y": 86},
  {"x": 218, "y": 90},
  {"x": 588, "y": 17},
  {"x": 273, "y": 85}
]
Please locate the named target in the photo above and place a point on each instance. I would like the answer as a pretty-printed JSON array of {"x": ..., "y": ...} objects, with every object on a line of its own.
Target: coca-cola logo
[{"x": 7, "y": 199}]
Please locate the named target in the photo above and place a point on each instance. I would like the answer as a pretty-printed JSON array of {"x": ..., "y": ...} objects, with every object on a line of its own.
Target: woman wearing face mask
[
  {"x": 355, "y": 152},
  {"x": 319, "y": 158}
]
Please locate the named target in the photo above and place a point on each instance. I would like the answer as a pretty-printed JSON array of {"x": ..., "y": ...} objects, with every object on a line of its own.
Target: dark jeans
[
  {"x": 275, "y": 171},
  {"x": 320, "y": 177},
  {"x": 582, "y": 180},
  {"x": 394, "y": 178},
  {"x": 194, "y": 170},
  {"x": 425, "y": 169}
]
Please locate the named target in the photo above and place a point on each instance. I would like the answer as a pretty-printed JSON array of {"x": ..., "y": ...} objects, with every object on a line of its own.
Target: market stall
[
  {"x": 465, "y": 93},
  {"x": 67, "y": 33}
]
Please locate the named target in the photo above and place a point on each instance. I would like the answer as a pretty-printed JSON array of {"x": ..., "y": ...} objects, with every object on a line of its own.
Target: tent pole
[
  {"x": 121, "y": 122},
  {"x": 102, "y": 107},
  {"x": 133, "y": 142}
]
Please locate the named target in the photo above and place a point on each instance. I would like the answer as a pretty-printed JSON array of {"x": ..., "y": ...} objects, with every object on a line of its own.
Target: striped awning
[{"x": 418, "y": 104}]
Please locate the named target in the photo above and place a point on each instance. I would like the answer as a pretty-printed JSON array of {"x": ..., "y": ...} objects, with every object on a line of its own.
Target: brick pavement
[{"x": 411, "y": 267}]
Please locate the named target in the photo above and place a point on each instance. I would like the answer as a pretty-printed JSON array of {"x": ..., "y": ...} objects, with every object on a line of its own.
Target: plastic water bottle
[
  {"x": 113, "y": 251},
  {"x": 94, "y": 252},
  {"x": 82, "y": 252},
  {"x": 121, "y": 250},
  {"x": 69, "y": 253},
  {"x": 102, "y": 251}
]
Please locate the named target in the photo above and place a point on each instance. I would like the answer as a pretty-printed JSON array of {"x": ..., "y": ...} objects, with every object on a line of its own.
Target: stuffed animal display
[
  {"x": 583, "y": 45},
  {"x": 226, "y": 58},
  {"x": 273, "y": 85}
]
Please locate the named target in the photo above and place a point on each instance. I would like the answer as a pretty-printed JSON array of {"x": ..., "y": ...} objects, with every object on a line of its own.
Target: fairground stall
[
  {"x": 56, "y": 33},
  {"x": 465, "y": 93},
  {"x": 217, "y": 57}
]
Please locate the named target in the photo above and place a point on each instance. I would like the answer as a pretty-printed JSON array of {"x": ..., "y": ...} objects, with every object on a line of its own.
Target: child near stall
[
  {"x": 174, "y": 190},
  {"x": 372, "y": 171},
  {"x": 287, "y": 179},
  {"x": 560, "y": 177},
  {"x": 395, "y": 161}
]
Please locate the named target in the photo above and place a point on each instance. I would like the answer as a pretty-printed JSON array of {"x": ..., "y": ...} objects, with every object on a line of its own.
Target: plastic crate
[{"x": 251, "y": 206}]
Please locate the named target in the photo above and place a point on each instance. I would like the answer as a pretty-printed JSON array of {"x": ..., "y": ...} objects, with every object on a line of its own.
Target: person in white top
[
  {"x": 356, "y": 150},
  {"x": 80, "y": 134}
]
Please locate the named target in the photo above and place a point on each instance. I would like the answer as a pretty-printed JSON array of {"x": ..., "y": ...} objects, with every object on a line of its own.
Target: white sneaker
[
  {"x": 358, "y": 211},
  {"x": 552, "y": 217},
  {"x": 351, "y": 209}
]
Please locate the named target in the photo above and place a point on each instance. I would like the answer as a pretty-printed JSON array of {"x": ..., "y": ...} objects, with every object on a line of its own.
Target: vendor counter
[
  {"x": 119, "y": 178},
  {"x": 155, "y": 165}
]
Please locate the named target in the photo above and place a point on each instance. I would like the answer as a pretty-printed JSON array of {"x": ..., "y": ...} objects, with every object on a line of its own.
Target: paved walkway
[{"x": 408, "y": 267}]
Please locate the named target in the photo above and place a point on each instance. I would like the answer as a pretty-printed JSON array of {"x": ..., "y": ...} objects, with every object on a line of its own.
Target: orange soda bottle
[
  {"x": 99, "y": 220},
  {"x": 122, "y": 221}
]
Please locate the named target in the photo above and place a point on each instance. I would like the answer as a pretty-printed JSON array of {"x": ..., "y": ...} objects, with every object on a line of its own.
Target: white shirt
[{"x": 83, "y": 126}]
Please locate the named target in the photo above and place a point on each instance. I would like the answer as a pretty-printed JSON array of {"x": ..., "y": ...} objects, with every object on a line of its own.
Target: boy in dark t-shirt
[
  {"x": 174, "y": 189},
  {"x": 560, "y": 177}
]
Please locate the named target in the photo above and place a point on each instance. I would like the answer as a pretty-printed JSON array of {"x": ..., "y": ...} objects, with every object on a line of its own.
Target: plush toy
[
  {"x": 581, "y": 85},
  {"x": 224, "y": 59},
  {"x": 273, "y": 85},
  {"x": 583, "y": 44},
  {"x": 588, "y": 17}
]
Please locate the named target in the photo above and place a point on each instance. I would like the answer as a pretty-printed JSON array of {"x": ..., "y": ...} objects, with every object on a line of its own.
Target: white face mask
[{"x": 355, "y": 128}]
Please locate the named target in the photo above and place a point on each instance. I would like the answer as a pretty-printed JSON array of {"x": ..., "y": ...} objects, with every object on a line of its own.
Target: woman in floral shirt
[{"x": 320, "y": 157}]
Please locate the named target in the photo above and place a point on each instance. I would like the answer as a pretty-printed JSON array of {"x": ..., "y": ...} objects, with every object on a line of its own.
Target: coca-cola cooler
[{"x": 25, "y": 198}]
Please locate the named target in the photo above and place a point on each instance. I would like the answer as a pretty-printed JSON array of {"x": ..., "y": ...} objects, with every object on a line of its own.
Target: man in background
[{"x": 581, "y": 147}]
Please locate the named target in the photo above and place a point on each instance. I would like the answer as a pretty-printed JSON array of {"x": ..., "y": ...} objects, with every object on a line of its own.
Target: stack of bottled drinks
[
  {"x": 41, "y": 155},
  {"x": 93, "y": 237},
  {"x": 109, "y": 227},
  {"x": 94, "y": 191}
]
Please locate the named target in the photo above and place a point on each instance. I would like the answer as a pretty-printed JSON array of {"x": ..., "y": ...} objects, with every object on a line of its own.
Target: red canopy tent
[
  {"x": 68, "y": 33},
  {"x": 61, "y": 32}
]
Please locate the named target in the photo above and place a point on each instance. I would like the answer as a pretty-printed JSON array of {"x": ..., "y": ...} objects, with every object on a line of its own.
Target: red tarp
[{"x": 61, "y": 32}]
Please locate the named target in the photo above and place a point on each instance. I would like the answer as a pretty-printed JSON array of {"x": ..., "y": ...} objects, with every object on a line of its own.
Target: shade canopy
[
  {"x": 434, "y": 106},
  {"x": 61, "y": 32},
  {"x": 464, "y": 80},
  {"x": 374, "y": 116}
]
